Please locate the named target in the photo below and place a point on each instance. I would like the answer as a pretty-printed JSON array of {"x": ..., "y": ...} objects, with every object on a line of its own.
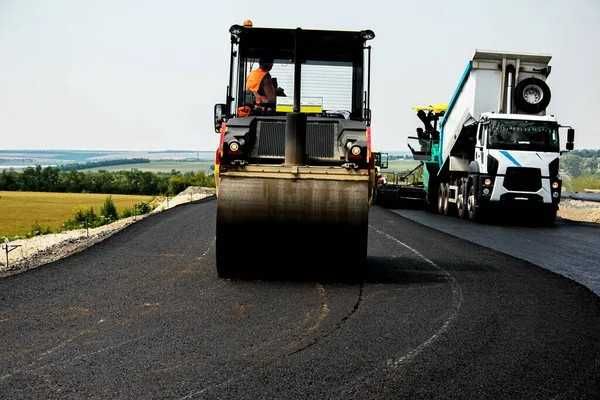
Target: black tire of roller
[{"x": 523, "y": 105}]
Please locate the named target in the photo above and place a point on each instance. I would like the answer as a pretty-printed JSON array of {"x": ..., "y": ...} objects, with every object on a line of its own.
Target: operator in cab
[{"x": 262, "y": 85}]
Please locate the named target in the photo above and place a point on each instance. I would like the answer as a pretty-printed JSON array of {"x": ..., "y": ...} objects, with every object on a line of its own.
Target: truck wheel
[
  {"x": 549, "y": 216},
  {"x": 472, "y": 207},
  {"x": 431, "y": 195},
  {"x": 532, "y": 95},
  {"x": 446, "y": 203},
  {"x": 461, "y": 206},
  {"x": 441, "y": 196}
]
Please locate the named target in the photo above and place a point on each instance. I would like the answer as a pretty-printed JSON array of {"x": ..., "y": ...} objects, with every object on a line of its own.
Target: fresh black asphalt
[
  {"x": 568, "y": 248},
  {"x": 142, "y": 315}
]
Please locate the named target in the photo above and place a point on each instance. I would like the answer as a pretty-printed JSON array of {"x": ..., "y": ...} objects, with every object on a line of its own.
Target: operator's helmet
[{"x": 266, "y": 62}]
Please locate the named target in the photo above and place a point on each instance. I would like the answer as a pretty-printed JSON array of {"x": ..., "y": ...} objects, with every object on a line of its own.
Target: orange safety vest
[{"x": 253, "y": 82}]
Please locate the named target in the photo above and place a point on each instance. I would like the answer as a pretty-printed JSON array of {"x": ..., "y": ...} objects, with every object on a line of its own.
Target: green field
[
  {"x": 160, "y": 166},
  {"x": 401, "y": 165},
  {"x": 20, "y": 210}
]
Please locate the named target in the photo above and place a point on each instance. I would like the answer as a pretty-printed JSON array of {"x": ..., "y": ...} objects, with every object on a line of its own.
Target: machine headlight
[
  {"x": 555, "y": 185},
  {"x": 355, "y": 151},
  {"x": 234, "y": 147},
  {"x": 487, "y": 182}
]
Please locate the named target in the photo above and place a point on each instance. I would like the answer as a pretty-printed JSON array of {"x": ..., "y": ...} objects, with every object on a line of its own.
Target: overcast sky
[{"x": 118, "y": 74}]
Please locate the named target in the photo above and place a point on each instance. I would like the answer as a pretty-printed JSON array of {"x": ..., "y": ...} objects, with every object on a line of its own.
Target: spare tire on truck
[{"x": 532, "y": 95}]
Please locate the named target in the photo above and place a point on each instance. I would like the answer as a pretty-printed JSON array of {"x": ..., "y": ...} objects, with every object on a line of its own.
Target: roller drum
[{"x": 291, "y": 223}]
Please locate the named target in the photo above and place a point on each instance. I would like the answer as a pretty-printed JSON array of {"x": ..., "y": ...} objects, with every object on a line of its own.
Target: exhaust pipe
[
  {"x": 295, "y": 127},
  {"x": 295, "y": 138},
  {"x": 509, "y": 88}
]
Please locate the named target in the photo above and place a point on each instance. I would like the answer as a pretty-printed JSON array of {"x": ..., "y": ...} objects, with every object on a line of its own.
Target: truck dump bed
[{"x": 483, "y": 88}]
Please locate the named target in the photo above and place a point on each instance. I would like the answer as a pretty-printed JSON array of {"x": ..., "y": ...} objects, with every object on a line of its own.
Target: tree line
[
  {"x": 53, "y": 179},
  {"x": 575, "y": 164},
  {"x": 103, "y": 163}
]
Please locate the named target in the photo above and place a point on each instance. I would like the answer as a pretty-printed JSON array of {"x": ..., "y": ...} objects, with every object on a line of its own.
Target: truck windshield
[{"x": 523, "y": 135}]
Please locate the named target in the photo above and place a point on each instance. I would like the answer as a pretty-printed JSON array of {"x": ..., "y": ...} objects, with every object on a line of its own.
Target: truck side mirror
[
  {"x": 381, "y": 160},
  {"x": 570, "y": 139},
  {"x": 219, "y": 116}
]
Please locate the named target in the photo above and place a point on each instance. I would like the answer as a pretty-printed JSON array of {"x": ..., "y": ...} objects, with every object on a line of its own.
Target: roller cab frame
[{"x": 295, "y": 177}]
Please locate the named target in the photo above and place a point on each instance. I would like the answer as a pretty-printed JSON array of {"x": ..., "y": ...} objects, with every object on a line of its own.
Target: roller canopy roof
[{"x": 315, "y": 44}]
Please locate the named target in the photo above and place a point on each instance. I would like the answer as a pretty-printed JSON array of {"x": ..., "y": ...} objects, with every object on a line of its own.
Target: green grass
[
  {"x": 160, "y": 166},
  {"x": 19, "y": 211},
  {"x": 579, "y": 183},
  {"x": 401, "y": 165}
]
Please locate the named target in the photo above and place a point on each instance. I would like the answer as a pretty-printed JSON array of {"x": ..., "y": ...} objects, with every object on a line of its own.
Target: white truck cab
[{"x": 520, "y": 155}]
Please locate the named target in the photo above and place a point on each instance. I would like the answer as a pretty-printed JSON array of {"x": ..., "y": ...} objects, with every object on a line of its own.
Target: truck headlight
[
  {"x": 355, "y": 151},
  {"x": 487, "y": 181},
  {"x": 555, "y": 185}
]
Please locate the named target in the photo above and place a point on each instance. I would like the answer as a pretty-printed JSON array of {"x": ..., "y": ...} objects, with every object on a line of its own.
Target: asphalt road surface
[
  {"x": 143, "y": 315},
  {"x": 569, "y": 248}
]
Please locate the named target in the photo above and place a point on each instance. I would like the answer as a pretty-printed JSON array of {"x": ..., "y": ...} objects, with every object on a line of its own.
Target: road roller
[{"x": 294, "y": 168}]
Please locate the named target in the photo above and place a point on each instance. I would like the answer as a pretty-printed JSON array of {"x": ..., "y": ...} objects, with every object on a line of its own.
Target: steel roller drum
[{"x": 270, "y": 220}]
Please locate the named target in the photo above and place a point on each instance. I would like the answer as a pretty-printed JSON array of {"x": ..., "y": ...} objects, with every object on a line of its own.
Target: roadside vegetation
[
  {"x": 104, "y": 163},
  {"x": 53, "y": 179},
  {"x": 582, "y": 169},
  {"x": 161, "y": 166},
  {"x": 26, "y": 214}
]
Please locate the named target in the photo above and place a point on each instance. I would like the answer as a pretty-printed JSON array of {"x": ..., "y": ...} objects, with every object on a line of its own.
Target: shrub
[
  {"x": 127, "y": 212},
  {"x": 37, "y": 230},
  {"x": 109, "y": 210},
  {"x": 83, "y": 218},
  {"x": 142, "y": 208}
]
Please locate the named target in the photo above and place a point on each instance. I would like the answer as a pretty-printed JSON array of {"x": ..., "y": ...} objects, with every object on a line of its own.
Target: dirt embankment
[
  {"x": 37, "y": 251},
  {"x": 579, "y": 210}
]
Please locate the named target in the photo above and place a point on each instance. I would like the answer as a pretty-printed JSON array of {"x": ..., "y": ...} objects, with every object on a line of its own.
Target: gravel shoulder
[{"x": 580, "y": 210}]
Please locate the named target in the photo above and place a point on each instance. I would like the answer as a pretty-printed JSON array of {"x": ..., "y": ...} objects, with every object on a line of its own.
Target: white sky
[{"x": 117, "y": 74}]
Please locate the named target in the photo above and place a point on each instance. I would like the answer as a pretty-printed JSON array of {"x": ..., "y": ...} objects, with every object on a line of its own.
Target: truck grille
[
  {"x": 523, "y": 179},
  {"x": 320, "y": 139}
]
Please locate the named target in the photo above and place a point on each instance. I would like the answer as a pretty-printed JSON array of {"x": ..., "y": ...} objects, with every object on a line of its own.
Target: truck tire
[
  {"x": 473, "y": 210},
  {"x": 549, "y": 216},
  {"x": 461, "y": 204},
  {"x": 536, "y": 89},
  {"x": 441, "y": 196},
  {"x": 431, "y": 197},
  {"x": 446, "y": 203}
]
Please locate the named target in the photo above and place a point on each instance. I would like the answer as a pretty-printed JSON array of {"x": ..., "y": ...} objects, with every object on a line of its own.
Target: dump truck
[
  {"x": 493, "y": 146},
  {"x": 295, "y": 175}
]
